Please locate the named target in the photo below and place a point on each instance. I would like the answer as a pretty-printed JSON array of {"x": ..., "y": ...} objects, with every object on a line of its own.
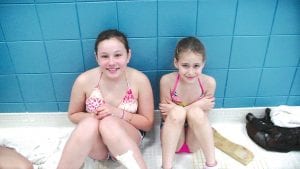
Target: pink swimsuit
[
  {"x": 184, "y": 148},
  {"x": 95, "y": 100}
]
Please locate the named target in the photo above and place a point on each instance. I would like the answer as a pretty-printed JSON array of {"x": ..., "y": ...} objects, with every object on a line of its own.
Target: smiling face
[
  {"x": 189, "y": 65},
  {"x": 112, "y": 57}
]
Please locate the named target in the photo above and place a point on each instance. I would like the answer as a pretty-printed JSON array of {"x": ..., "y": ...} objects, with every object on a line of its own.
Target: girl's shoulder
[
  {"x": 136, "y": 76},
  {"x": 208, "y": 80},
  {"x": 88, "y": 77},
  {"x": 168, "y": 78}
]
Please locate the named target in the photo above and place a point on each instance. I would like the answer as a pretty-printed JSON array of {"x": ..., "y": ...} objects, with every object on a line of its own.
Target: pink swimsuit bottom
[{"x": 184, "y": 149}]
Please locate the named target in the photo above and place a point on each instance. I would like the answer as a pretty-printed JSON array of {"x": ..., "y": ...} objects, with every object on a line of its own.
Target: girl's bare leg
[
  {"x": 200, "y": 133},
  {"x": 85, "y": 140},
  {"x": 121, "y": 137},
  {"x": 170, "y": 136},
  {"x": 9, "y": 158}
]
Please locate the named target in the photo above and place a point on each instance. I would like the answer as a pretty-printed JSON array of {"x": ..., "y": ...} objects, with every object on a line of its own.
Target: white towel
[
  {"x": 42, "y": 146},
  {"x": 286, "y": 116}
]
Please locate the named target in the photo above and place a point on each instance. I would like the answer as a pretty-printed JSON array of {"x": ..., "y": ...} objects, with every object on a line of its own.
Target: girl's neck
[{"x": 112, "y": 82}]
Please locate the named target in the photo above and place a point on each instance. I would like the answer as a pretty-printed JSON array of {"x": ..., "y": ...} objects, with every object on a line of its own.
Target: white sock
[
  {"x": 214, "y": 167},
  {"x": 128, "y": 160}
]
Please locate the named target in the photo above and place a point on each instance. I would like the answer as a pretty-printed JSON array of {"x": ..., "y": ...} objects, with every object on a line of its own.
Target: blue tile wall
[
  {"x": 239, "y": 86},
  {"x": 248, "y": 51},
  {"x": 89, "y": 54},
  {"x": 254, "y": 17},
  {"x": 46, "y": 44},
  {"x": 224, "y": 17},
  {"x": 6, "y": 65},
  {"x": 283, "y": 51},
  {"x": 177, "y": 18},
  {"x": 29, "y": 56},
  {"x": 1, "y": 34},
  {"x": 287, "y": 11},
  {"x": 96, "y": 16},
  {"x": 217, "y": 58},
  {"x": 141, "y": 25},
  {"x": 140, "y": 54},
  {"x": 68, "y": 52},
  {"x": 58, "y": 21},
  {"x": 20, "y": 22},
  {"x": 37, "y": 87}
]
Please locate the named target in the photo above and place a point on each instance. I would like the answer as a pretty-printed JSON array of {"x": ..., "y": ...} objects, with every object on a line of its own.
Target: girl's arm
[
  {"x": 166, "y": 104},
  {"x": 76, "y": 110},
  {"x": 144, "y": 119},
  {"x": 207, "y": 102}
]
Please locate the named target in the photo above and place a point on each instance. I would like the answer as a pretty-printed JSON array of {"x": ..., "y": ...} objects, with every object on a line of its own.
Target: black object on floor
[{"x": 271, "y": 137}]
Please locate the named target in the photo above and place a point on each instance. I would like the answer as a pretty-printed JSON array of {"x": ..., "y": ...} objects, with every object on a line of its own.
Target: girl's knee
[
  {"x": 196, "y": 114},
  {"x": 87, "y": 127},
  {"x": 88, "y": 123},
  {"x": 177, "y": 116},
  {"x": 109, "y": 127}
]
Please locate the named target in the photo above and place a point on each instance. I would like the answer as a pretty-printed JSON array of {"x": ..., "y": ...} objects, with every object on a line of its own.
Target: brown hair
[
  {"x": 112, "y": 33},
  {"x": 190, "y": 43}
]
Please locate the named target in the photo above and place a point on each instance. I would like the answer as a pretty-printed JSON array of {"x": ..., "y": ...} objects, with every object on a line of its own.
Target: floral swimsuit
[{"x": 95, "y": 100}]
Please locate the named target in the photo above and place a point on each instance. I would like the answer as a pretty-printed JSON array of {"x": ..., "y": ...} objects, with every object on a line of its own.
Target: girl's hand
[
  {"x": 206, "y": 103},
  {"x": 165, "y": 108},
  {"x": 104, "y": 111}
]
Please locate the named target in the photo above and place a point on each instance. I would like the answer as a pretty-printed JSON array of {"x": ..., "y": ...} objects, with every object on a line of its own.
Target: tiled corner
[
  {"x": 96, "y": 16},
  {"x": 138, "y": 18},
  {"x": 262, "y": 17}
]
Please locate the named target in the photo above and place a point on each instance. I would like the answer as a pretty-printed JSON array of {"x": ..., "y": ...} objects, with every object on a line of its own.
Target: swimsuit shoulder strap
[
  {"x": 98, "y": 84},
  {"x": 201, "y": 86},
  {"x": 175, "y": 84}
]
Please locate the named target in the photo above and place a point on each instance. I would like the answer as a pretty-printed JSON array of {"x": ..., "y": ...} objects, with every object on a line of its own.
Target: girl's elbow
[{"x": 149, "y": 126}]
